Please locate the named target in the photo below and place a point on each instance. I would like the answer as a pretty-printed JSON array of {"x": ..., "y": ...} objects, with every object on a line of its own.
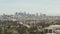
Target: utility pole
[{"x": 2, "y": 29}]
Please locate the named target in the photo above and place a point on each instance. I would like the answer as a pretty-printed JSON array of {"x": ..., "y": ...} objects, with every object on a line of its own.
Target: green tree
[{"x": 21, "y": 29}]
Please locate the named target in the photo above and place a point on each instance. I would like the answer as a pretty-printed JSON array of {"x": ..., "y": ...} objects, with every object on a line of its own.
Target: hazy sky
[{"x": 49, "y": 7}]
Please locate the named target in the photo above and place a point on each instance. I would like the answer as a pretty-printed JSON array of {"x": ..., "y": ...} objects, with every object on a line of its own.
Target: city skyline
[{"x": 49, "y": 7}]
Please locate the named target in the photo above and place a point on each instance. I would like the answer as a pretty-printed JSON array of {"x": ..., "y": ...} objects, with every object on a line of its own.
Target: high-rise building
[
  {"x": 42, "y": 15},
  {"x": 37, "y": 14}
]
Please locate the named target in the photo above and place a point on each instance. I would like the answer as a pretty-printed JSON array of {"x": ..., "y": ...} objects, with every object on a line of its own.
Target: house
[{"x": 52, "y": 29}]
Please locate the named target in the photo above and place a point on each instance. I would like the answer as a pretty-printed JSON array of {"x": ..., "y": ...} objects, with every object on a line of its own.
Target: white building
[{"x": 53, "y": 29}]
